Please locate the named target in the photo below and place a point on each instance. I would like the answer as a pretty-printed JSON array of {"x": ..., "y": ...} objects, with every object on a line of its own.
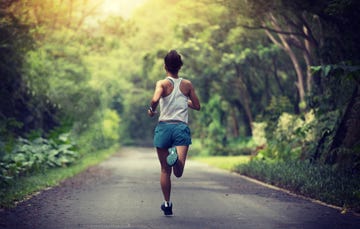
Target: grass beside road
[
  {"x": 223, "y": 162},
  {"x": 314, "y": 181},
  {"x": 26, "y": 186}
]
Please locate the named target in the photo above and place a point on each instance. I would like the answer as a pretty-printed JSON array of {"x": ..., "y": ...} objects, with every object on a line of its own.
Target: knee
[{"x": 166, "y": 171}]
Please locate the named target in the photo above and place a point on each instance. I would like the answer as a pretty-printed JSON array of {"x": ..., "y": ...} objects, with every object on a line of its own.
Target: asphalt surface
[{"x": 124, "y": 192}]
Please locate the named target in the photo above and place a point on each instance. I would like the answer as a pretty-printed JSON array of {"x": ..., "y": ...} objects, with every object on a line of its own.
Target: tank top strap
[
  {"x": 175, "y": 82},
  {"x": 171, "y": 80}
]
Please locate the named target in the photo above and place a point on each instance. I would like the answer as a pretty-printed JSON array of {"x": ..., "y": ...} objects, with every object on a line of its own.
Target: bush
[
  {"x": 234, "y": 147},
  {"x": 212, "y": 133},
  {"x": 259, "y": 134},
  {"x": 36, "y": 155},
  {"x": 291, "y": 138},
  {"x": 196, "y": 148},
  {"x": 101, "y": 132},
  {"x": 317, "y": 181}
]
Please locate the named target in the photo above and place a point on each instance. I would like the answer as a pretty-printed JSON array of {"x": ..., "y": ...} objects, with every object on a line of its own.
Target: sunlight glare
[{"x": 122, "y": 8}]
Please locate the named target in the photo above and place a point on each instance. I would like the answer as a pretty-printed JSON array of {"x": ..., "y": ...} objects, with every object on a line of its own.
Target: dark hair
[{"x": 173, "y": 62}]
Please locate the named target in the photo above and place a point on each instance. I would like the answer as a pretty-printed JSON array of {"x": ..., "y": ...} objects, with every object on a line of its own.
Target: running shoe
[
  {"x": 172, "y": 158},
  {"x": 167, "y": 209}
]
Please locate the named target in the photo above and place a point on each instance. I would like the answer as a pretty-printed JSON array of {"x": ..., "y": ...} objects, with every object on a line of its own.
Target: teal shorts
[{"x": 172, "y": 134}]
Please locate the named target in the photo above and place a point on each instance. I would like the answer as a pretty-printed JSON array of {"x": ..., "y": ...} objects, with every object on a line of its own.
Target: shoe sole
[
  {"x": 171, "y": 161},
  {"x": 172, "y": 158}
]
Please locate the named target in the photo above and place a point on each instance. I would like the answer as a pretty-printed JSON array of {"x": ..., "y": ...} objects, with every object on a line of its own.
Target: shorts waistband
[{"x": 171, "y": 122}]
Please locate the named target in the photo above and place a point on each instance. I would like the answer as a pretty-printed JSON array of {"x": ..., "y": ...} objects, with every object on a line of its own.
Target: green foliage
[
  {"x": 111, "y": 123},
  {"x": 234, "y": 147},
  {"x": 240, "y": 146},
  {"x": 317, "y": 135},
  {"x": 334, "y": 86},
  {"x": 333, "y": 100},
  {"x": 213, "y": 134},
  {"x": 196, "y": 148},
  {"x": 136, "y": 127},
  {"x": 317, "y": 181},
  {"x": 19, "y": 109},
  {"x": 259, "y": 133},
  {"x": 223, "y": 162},
  {"x": 26, "y": 186},
  {"x": 273, "y": 111},
  {"x": 277, "y": 106},
  {"x": 36, "y": 155},
  {"x": 101, "y": 132},
  {"x": 291, "y": 138}
]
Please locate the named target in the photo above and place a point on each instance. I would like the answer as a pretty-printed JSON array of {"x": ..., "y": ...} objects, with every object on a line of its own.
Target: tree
[{"x": 17, "y": 101}]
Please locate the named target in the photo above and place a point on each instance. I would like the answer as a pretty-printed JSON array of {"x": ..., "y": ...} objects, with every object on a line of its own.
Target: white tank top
[{"x": 175, "y": 105}]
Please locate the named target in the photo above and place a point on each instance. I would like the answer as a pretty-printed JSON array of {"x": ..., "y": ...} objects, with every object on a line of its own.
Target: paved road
[{"x": 124, "y": 192}]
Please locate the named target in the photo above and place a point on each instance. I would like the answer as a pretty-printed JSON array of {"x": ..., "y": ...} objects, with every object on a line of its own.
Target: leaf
[
  {"x": 53, "y": 153},
  {"x": 70, "y": 153},
  {"x": 315, "y": 69},
  {"x": 19, "y": 158},
  {"x": 64, "y": 147},
  {"x": 64, "y": 137},
  {"x": 23, "y": 141},
  {"x": 326, "y": 70},
  {"x": 40, "y": 141},
  {"x": 64, "y": 160},
  {"x": 344, "y": 210}
]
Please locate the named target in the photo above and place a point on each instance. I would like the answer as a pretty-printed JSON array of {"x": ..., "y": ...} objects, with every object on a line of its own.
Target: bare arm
[
  {"x": 156, "y": 97},
  {"x": 193, "y": 102}
]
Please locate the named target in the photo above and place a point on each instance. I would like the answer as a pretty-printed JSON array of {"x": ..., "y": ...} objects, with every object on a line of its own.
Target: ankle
[{"x": 167, "y": 203}]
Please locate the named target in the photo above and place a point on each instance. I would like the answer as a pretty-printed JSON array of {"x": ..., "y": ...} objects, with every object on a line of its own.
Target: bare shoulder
[
  {"x": 186, "y": 87},
  {"x": 186, "y": 83},
  {"x": 161, "y": 83}
]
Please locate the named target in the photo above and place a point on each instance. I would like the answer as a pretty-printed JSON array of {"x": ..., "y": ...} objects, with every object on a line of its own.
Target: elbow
[{"x": 194, "y": 106}]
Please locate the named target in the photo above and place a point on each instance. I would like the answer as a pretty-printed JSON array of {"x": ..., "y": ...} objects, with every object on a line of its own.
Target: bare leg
[
  {"x": 165, "y": 181},
  {"x": 180, "y": 164}
]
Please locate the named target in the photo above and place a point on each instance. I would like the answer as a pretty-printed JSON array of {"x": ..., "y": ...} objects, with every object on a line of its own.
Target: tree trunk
[
  {"x": 235, "y": 126},
  {"x": 342, "y": 151},
  {"x": 348, "y": 133},
  {"x": 267, "y": 89},
  {"x": 276, "y": 76},
  {"x": 244, "y": 96},
  {"x": 245, "y": 117},
  {"x": 283, "y": 44},
  {"x": 308, "y": 60}
]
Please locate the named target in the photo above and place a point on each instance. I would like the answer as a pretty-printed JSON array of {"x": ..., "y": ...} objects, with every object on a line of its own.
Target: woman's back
[{"x": 174, "y": 103}]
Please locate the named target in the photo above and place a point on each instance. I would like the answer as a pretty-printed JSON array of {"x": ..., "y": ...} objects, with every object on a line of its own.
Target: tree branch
[
  {"x": 308, "y": 34},
  {"x": 272, "y": 30},
  {"x": 273, "y": 39}
]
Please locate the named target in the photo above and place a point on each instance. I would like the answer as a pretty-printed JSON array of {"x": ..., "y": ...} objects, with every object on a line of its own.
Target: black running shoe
[{"x": 167, "y": 210}]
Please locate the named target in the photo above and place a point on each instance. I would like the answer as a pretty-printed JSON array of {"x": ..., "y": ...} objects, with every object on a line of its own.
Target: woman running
[{"x": 172, "y": 135}]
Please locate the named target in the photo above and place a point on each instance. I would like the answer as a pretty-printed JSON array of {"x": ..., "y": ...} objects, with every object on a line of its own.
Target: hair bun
[{"x": 173, "y": 62}]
